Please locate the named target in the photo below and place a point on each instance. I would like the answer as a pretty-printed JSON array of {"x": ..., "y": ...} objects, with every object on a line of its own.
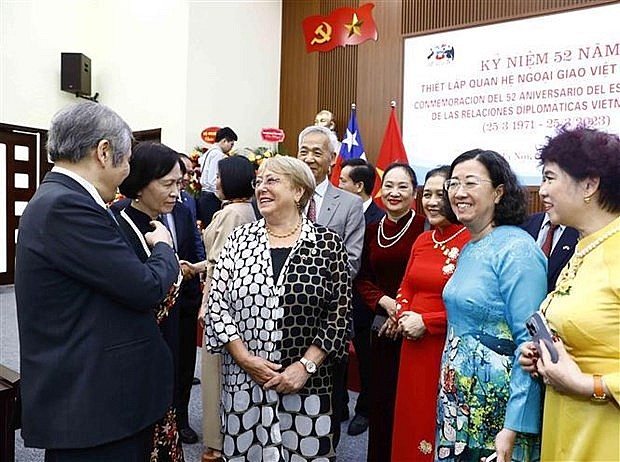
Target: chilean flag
[{"x": 350, "y": 148}]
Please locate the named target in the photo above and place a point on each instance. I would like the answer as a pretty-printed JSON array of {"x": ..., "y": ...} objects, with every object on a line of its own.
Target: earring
[{"x": 587, "y": 199}]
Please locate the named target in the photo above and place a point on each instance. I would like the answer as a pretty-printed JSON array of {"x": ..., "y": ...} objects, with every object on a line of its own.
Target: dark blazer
[
  {"x": 373, "y": 213},
  {"x": 190, "y": 202},
  {"x": 190, "y": 296},
  {"x": 561, "y": 253},
  {"x": 94, "y": 366},
  {"x": 188, "y": 249}
]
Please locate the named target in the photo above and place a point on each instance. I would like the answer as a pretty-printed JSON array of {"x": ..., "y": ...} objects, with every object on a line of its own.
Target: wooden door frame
[
  {"x": 44, "y": 165},
  {"x": 34, "y": 167}
]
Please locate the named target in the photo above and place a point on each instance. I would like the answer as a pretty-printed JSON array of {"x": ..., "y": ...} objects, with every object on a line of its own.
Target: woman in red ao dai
[{"x": 422, "y": 323}]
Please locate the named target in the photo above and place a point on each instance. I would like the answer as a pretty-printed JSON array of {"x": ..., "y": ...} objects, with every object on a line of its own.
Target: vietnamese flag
[
  {"x": 344, "y": 26},
  {"x": 392, "y": 150}
]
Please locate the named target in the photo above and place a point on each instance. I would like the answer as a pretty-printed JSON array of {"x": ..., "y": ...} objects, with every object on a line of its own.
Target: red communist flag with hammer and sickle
[{"x": 344, "y": 26}]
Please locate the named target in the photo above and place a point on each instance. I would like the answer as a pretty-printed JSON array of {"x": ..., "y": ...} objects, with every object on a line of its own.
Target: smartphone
[
  {"x": 540, "y": 332},
  {"x": 378, "y": 322}
]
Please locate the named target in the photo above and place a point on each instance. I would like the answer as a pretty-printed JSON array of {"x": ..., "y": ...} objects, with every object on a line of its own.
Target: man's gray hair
[
  {"x": 78, "y": 128},
  {"x": 331, "y": 136}
]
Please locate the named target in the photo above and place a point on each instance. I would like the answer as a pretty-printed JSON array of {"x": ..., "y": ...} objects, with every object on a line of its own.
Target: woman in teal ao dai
[{"x": 486, "y": 403}]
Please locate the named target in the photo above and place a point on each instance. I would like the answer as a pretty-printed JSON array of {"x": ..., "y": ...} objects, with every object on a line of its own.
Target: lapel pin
[{"x": 566, "y": 247}]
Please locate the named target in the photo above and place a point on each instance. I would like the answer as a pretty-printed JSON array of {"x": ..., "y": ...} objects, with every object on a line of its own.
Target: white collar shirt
[{"x": 83, "y": 182}]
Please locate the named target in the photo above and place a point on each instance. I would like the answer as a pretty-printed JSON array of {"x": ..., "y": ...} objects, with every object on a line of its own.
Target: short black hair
[
  {"x": 236, "y": 175},
  {"x": 225, "y": 133},
  {"x": 511, "y": 209},
  {"x": 363, "y": 171},
  {"x": 407, "y": 168},
  {"x": 586, "y": 152},
  {"x": 149, "y": 161}
]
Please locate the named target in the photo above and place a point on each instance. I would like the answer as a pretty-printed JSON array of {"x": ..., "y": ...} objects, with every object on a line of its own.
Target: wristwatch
[
  {"x": 599, "y": 392},
  {"x": 309, "y": 365}
]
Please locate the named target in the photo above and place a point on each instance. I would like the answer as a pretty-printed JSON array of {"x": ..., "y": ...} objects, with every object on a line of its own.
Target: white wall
[
  {"x": 153, "y": 61},
  {"x": 33, "y": 33},
  {"x": 233, "y": 74},
  {"x": 141, "y": 63},
  {"x": 178, "y": 65}
]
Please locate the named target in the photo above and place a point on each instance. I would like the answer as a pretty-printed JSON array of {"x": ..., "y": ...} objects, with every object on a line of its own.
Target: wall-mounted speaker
[{"x": 75, "y": 73}]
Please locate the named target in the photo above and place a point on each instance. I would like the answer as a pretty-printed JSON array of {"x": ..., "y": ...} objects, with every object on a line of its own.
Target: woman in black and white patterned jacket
[{"x": 279, "y": 308}]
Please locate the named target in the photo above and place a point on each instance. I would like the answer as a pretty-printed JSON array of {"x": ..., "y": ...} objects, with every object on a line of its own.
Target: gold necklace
[{"x": 283, "y": 236}]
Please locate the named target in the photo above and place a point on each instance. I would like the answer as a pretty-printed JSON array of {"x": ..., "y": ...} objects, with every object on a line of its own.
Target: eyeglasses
[
  {"x": 471, "y": 182},
  {"x": 269, "y": 182}
]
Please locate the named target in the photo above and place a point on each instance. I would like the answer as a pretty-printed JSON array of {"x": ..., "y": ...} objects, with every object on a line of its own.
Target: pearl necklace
[
  {"x": 283, "y": 236},
  {"x": 564, "y": 283},
  {"x": 441, "y": 243},
  {"x": 396, "y": 237},
  {"x": 595, "y": 244}
]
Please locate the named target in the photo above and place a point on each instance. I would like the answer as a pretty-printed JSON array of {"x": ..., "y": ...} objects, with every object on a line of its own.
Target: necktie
[
  {"x": 546, "y": 247},
  {"x": 312, "y": 210}
]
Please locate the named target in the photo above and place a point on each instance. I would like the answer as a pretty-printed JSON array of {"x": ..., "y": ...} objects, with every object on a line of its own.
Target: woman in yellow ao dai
[{"x": 581, "y": 419}]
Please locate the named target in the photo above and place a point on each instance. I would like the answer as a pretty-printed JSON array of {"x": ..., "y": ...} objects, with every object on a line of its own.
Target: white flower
[{"x": 448, "y": 269}]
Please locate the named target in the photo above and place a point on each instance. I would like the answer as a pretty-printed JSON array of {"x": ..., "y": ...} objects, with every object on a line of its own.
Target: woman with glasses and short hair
[
  {"x": 279, "y": 309},
  {"x": 486, "y": 403}
]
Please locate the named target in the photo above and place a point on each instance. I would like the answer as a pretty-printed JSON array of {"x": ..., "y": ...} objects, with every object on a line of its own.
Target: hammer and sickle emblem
[{"x": 323, "y": 33}]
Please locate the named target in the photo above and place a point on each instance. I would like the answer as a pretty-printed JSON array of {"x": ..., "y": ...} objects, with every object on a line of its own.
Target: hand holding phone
[{"x": 540, "y": 332}]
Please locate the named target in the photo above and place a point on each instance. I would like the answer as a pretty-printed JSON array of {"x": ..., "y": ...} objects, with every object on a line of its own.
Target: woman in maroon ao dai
[
  {"x": 422, "y": 323},
  {"x": 384, "y": 260}
]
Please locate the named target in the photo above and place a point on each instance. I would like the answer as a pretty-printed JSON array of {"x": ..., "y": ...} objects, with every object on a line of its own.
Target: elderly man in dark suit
[
  {"x": 342, "y": 212},
  {"x": 96, "y": 373},
  {"x": 557, "y": 242},
  {"x": 358, "y": 177}
]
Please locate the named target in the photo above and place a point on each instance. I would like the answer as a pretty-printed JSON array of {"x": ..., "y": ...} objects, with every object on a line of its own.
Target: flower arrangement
[
  {"x": 193, "y": 187},
  {"x": 257, "y": 155}
]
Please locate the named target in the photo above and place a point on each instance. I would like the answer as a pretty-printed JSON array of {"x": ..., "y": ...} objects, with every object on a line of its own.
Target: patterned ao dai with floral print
[{"x": 498, "y": 283}]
